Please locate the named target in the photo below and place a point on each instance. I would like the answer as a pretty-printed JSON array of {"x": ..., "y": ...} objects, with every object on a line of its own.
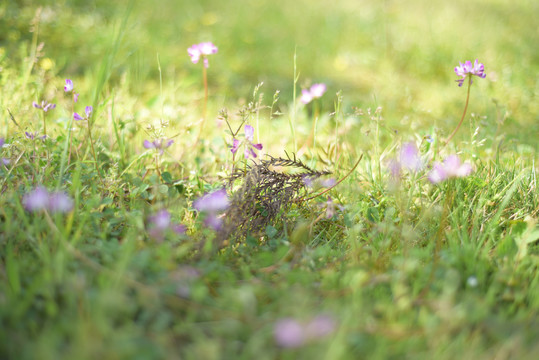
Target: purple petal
[
  {"x": 410, "y": 158},
  {"x": 60, "y": 202},
  {"x": 49, "y": 107},
  {"x": 30, "y": 135},
  {"x": 289, "y": 333},
  {"x": 88, "y": 110},
  {"x": 212, "y": 202},
  {"x": 68, "y": 86},
  {"x": 2, "y": 142},
  {"x": 317, "y": 90},
  {"x": 207, "y": 48},
  {"x": 248, "y": 152},
  {"x": 168, "y": 143},
  {"x": 161, "y": 220},
  {"x": 213, "y": 221},
  {"x": 249, "y": 132},
  {"x": 235, "y": 146},
  {"x": 194, "y": 53},
  {"x": 36, "y": 105},
  {"x": 77, "y": 117},
  {"x": 179, "y": 229},
  {"x": 148, "y": 145},
  {"x": 75, "y": 97},
  {"x": 257, "y": 146},
  {"x": 306, "y": 96},
  {"x": 320, "y": 326},
  {"x": 37, "y": 199},
  {"x": 437, "y": 174}
]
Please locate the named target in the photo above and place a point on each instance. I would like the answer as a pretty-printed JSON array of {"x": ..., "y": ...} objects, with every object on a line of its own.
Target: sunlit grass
[{"x": 120, "y": 260}]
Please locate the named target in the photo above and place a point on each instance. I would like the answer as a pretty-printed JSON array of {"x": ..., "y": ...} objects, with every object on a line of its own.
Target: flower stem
[
  {"x": 205, "y": 105},
  {"x": 463, "y": 113},
  {"x": 44, "y": 125},
  {"x": 157, "y": 166},
  {"x": 92, "y": 147}
]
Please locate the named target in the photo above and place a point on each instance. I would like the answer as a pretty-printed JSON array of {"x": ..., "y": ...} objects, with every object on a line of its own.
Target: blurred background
[{"x": 393, "y": 53}]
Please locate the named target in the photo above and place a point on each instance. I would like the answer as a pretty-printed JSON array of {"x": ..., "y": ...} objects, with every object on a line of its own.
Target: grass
[{"x": 404, "y": 269}]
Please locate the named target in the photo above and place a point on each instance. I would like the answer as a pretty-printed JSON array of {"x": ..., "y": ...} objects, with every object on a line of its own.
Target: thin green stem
[
  {"x": 463, "y": 113},
  {"x": 92, "y": 147},
  {"x": 292, "y": 118}
]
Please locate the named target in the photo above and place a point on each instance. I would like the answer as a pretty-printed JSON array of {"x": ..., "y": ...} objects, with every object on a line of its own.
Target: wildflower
[
  {"x": 68, "y": 87},
  {"x": 320, "y": 326},
  {"x": 88, "y": 110},
  {"x": 203, "y": 49},
  {"x": 409, "y": 157},
  {"x": 40, "y": 199},
  {"x": 33, "y": 136},
  {"x": 316, "y": 91},
  {"x": 212, "y": 204},
  {"x": 249, "y": 146},
  {"x": 290, "y": 333},
  {"x": 468, "y": 70},
  {"x": 450, "y": 168},
  {"x": 161, "y": 222},
  {"x": 158, "y": 144},
  {"x": 45, "y": 106}
]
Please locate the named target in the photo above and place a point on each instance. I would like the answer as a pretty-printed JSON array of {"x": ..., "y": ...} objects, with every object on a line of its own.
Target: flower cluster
[
  {"x": 290, "y": 333},
  {"x": 409, "y": 158},
  {"x": 450, "y": 168},
  {"x": 34, "y": 136},
  {"x": 160, "y": 223},
  {"x": 88, "y": 110},
  {"x": 158, "y": 144},
  {"x": 45, "y": 106},
  {"x": 212, "y": 204},
  {"x": 69, "y": 87},
  {"x": 201, "y": 50},
  {"x": 468, "y": 70},
  {"x": 40, "y": 199},
  {"x": 249, "y": 146},
  {"x": 316, "y": 91}
]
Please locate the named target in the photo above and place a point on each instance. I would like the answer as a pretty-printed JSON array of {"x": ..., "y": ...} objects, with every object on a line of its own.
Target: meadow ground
[{"x": 136, "y": 222}]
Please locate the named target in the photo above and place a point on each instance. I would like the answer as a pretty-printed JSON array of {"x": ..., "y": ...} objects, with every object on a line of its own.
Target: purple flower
[
  {"x": 40, "y": 199},
  {"x": 161, "y": 222},
  {"x": 409, "y": 157},
  {"x": 289, "y": 333},
  {"x": 201, "y": 50},
  {"x": 468, "y": 70},
  {"x": 60, "y": 202},
  {"x": 158, "y": 144},
  {"x": 249, "y": 146},
  {"x": 88, "y": 110},
  {"x": 33, "y": 136},
  {"x": 37, "y": 199},
  {"x": 212, "y": 204},
  {"x": 45, "y": 106},
  {"x": 321, "y": 326},
  {"x": 450, "y": 168},
  {"x": 316, "y": 91},
  {"x": 68, "y": 87}
]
